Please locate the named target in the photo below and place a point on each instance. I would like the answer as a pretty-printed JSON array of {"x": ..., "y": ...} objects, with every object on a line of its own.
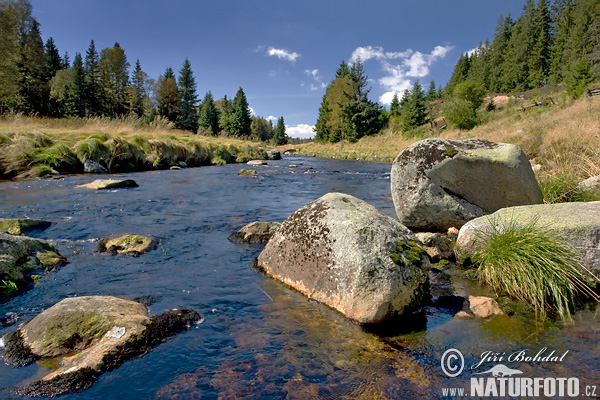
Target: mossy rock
[
  {"x": 255, "y": 232},
  {"x": 22, "y": 226},
  {"x": 127, "y": 244},
  {"x": 247, "y": 172}
]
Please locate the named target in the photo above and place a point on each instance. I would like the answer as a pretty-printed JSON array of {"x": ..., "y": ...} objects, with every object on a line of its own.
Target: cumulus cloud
[
  {"x": 282, "y": 54},
  {"x": 301, "y": 131},
  {"x": 399, "y": 67},
  {"x": 318, "y": 82},
  {"x": 271, "y": 118}
]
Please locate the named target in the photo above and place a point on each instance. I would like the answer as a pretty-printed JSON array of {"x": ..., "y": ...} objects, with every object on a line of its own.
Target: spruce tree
[
  {"x": 395, "y": 106},
  {"x": 137, "y": 89},
  {"x": 54, "y": 61},
  {"x": 322, "y": 126},
  {"x": 9, "y": 55},
  {"x": 241, "y": 114},
  {"x": 66, "y": 61},
  {"x": 186, "y": 83},
  {"x": 560, "y": 53},
  {"x": 515, "y": 69},
  {"x": 209, "y": 115},
  {"x": 114, "y": 79},
  {"x": 431, "y": 92},
  {"x": 33, "y": 83},
  {"x": 77, "y": 88},
  {"x": 414, "y": 113},
  {"x": 93, "y": 95},
  {"x": 279, "y": 136},
  {"x": 497, "y": 53},
  {"x": 539, "y": 58},
  {"x": 342, "y": 70}
]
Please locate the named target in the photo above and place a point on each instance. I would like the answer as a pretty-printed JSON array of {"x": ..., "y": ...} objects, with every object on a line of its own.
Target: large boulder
[
  {"x": 87, "y": 336},
  {"x": 577, "y": 223},
  {"x": 438, "y": 183},
  {"x": 22, "y": 226},
  {"x": 20, "y": 258},
  {"x": 341, "y": 251},
  {"x": 257, "y": 232}
]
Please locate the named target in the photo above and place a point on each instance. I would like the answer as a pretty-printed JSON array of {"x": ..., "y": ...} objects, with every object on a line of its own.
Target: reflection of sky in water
[{"x": 259, "y": 339}]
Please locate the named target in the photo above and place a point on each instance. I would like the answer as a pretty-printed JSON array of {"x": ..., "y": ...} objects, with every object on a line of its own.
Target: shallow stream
[{"x": 259, "y": 339}]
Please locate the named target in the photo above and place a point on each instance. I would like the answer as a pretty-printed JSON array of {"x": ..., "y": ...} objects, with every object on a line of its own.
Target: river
[{"x": 259, "y": 339}]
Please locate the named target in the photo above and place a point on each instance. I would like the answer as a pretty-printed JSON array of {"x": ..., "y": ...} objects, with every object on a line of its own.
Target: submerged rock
[
  {"x": 247, "y": 172},
  {"x": 88, "y": 335},
  {"x": 255, "y": 232},
  {"x": 23, "y": 226},
  {"x": 577, "y": 223},
  {"x": 341, "y": 251},
  {"x": 93, "y": 167},
  {"x": 438, "y": 183},
  {"x": 480, "y": 307},
  {"x": 132, "y": 245},
  {"x": 110, "y": 184},
  {"x": 20, "y": 258}
]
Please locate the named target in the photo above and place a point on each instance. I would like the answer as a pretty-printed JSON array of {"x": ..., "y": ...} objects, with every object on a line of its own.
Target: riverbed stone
[
  {"x": 257, "y": 232},
  {"x": 22, "y": 226},
  {"x": 273, "y": 154},
  {"x": 577, "y": 223},
  {"x": 100, "y": 184},
  {"x": 437, "y": 245},
  {"x": 87, "y": 336},
  {"x": 93, "y": 167},
  {"x": 20, "y": 258},
  {"x": 247, "y": 172},
  {"x": 129, "y": 244},
  {"x": 480, "y": 307},
  {"x": 341, "y": 251},
  {"x": 257, "y": 162},
  {"x": 439, "y": 183}
]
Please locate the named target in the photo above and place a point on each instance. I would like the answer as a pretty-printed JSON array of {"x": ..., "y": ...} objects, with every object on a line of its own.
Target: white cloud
[
  {"x": 409, "y": 64},
  {"x": 314, "y": 74},
  {"x": 251, "y": 111},
  {"x": 283, "y": 54},
  {"x": 302, "y": 131},
  {"x": 271, "y": 118}
]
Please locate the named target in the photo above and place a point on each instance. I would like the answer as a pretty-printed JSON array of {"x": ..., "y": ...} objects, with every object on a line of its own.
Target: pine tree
[
  {"x": 167, "y": 96},
  {"x": 538, "y": 63},
  {"x": 114, "y": 78},
  {"x": 515, "y": 69},
  {"x": 137, "y": 89},
  {"x": 33, "y": 86},
  {"x": 322, "y": 126},
  {"x": 77, "y": 89},
  {"x": 497, "y": 53},
  {"x": 186, "y": 83},
  {"x": 66, "y": 63},
  {"x": 93, "y": 95},
  {"x": 360, "y": 81},
  {"x": 209, "y": 115},
  {"x": 414, "y": 113},
  {"x": 460, "y": 73},
  {"x": 561, "y": 52},
  {"x": 54, "y": 61},
  {"x": 241, "y": 115},
  {"x": 9, "y": 55},
  {"x": 279, "y": 136},
  {"x": 395, "y": 106},
  {"x": 431, "y": 92},
  {"x": 342, "y": 70}
]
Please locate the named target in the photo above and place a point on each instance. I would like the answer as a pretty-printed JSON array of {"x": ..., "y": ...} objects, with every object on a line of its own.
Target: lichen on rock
[{"x": 129, "y": 244}]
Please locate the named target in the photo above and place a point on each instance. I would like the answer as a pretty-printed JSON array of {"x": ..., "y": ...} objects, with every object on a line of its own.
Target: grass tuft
[{"x": 532, "y": 264}]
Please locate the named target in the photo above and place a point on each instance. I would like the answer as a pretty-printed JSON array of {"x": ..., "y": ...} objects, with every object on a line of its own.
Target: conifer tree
[
  {"x": 54, "y": 61},
  {"x": 9, "y": 55},
  {"x": 395, "y": 106},
  {"x": 497, "y": 53},
  {"x": 414, "y": 113},
  {"x": 460, "y": 73},
  {"x": 515, "y": 69},
  {"x": 560, "y": 51},
  {"x": 209, "y": 115},
  {"x": 114, "y": 79},
  {"x": 342, "y": 70},
  {"x": 77, "y": 88},
  {"x": 167, "y": 95},
  {"x": 93, "y": 95},
  {"x": 33, "y": 86},
  {"x": 431, "y": 92},
  {"x": 322, "y": 126},
  {"x": 66, "y": 61},
  {"x": 241, "y": 115},
  {"x": 186, "y": 83},
  {"x": 538, "y": 63},
  {"x": 137, "y": 89},
  {"x": 279, "y": 136}
]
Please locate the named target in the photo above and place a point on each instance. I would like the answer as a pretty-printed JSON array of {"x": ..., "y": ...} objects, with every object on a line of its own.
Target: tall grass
[{"x": 532, "y": 264}]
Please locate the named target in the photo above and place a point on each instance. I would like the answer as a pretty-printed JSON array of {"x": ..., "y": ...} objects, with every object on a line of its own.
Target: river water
[{"x": 259, "y": 339}]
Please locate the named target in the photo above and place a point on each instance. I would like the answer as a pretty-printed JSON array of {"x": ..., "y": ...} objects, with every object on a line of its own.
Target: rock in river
[
  {"x": 23, "y": 226},
  {"x": 255, "y": 232},
  {"x": 110, "y": 184},
  {"x": 87, "y": 336},
  {"x": 20, "y": 258},
  {"x": 133, "y": 245},
  {"x": 438, "y": 183},
  {"x": 577, "y": 223},
  {"x": 341, "y": 251}
]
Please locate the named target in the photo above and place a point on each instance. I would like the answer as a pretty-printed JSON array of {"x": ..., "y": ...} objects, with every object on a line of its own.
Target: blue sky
[{"x": 282, "y": 53}]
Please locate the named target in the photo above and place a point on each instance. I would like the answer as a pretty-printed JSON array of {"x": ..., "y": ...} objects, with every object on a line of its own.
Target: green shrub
[
  {"x": 531, "y": 264},
  {"x": 460, "y": 113},
  {"x": 93, "y": 149},
  {"x": 217, "y": 160}
]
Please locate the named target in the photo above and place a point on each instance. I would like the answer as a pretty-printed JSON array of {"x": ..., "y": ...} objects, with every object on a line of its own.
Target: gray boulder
[
  {"x": 577, "y": 223},
  {"x": 437, "y": 183},
  {"x": 88, "y": 335},
  {"x": 341, "y": 251},
  {"x": 100, "y": 184},
  {"x": 93, "y": 167},
  {"x": 257, "y": 162},
  {"x": 437, "y": 245},
  {"x": 591, "y": 184},
  {"x": 273, "y": 154},
  {"x": 255, "y": 232},
  {"x": 20, "y": 258}
]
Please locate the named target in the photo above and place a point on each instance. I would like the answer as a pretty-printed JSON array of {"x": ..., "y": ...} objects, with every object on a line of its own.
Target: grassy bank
[
  {"x": 563, "y": 142},
  {"x": 31, "y": 146}
]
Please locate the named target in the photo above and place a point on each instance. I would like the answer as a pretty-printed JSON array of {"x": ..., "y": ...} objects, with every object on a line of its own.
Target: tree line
[
  {"x": 36, "y": 79},
  {"x": 547, "y": 44}
]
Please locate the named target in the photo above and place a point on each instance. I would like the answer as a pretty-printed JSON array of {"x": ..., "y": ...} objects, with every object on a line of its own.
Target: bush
[
  {"x": 460, "y": 113},
  {"x": 531, "y": 264}
]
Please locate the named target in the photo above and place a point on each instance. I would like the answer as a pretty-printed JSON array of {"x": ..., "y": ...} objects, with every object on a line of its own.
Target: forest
[
  {"x": 36, "y": 79},
  {"x": 549, "y": 44}
]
